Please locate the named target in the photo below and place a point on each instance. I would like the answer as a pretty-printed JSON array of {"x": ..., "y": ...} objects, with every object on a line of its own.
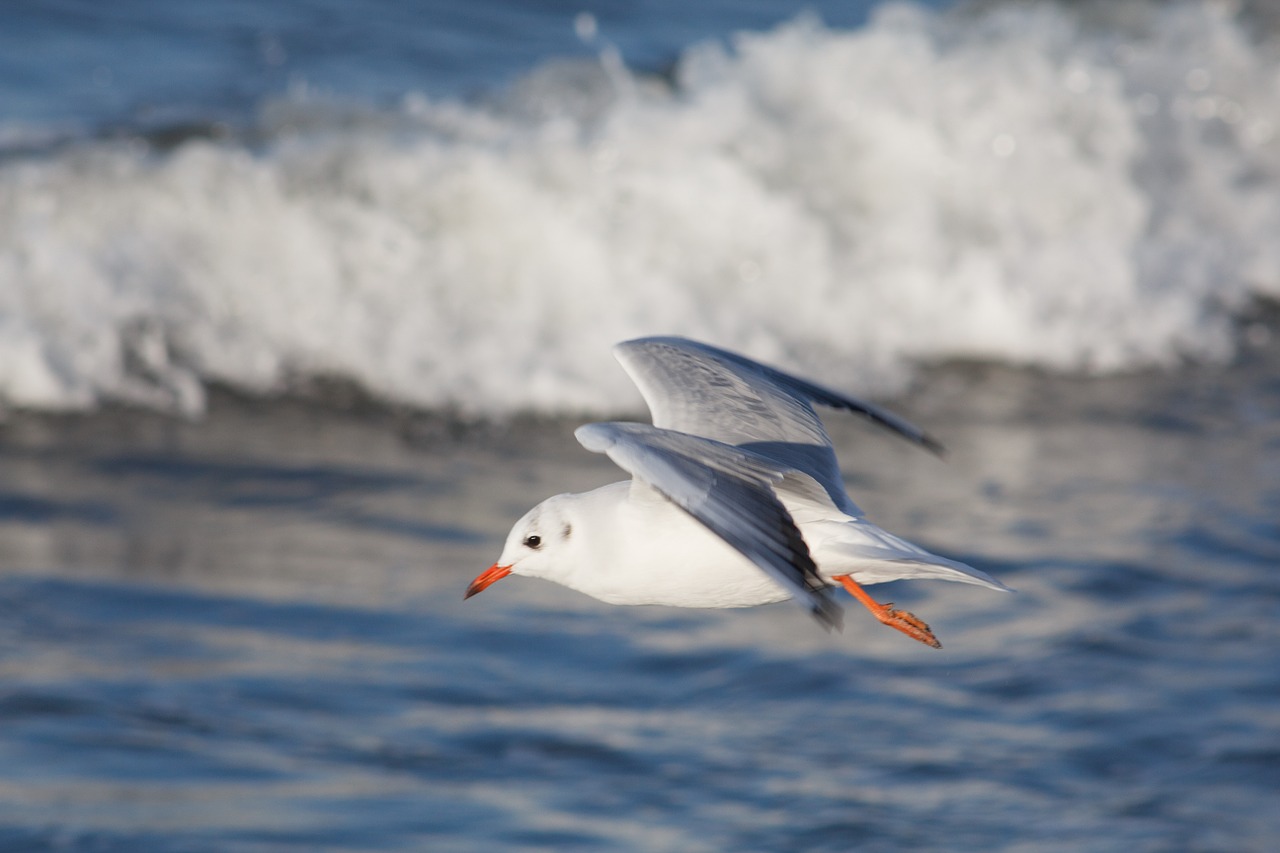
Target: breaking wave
[{"x": 1083, "y": 189}]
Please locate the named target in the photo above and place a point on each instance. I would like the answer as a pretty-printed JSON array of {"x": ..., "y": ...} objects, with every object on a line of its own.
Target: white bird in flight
[{"x": 735, "y": 500}]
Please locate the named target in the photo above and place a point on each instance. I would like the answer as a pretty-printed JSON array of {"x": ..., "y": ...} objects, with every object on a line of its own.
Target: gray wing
[
  {"x": 726, "y": 489},
  {"x": 702, "y": 390}
]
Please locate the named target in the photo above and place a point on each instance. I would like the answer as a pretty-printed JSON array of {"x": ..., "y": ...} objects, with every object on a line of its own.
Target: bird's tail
[{"x": 878, "y": 556}]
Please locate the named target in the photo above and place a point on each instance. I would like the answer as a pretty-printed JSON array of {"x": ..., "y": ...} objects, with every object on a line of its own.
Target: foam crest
[{"x": 1023, "y": 183}]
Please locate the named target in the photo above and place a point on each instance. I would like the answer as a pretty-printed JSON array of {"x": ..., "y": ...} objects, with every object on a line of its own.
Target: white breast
[{"x": 652, "y": 552}]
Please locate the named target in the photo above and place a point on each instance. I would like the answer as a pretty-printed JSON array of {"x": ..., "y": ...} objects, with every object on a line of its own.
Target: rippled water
[{"x": 248, "y": 634}]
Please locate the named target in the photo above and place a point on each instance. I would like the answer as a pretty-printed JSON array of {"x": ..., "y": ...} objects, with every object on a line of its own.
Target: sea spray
[{"x": 1074, "y": 189}]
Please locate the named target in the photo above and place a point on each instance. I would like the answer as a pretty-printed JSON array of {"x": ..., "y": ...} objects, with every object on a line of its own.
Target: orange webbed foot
[{"x": 901, "y": 620}]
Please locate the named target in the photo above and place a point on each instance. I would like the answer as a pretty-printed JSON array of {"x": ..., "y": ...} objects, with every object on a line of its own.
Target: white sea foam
[{"x": 1017, "y": 183}]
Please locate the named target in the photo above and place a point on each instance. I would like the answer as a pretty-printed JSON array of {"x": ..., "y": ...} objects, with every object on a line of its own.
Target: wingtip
[
  {"x": 931, "y": 444},
  {"x": 828, "y": 614}
]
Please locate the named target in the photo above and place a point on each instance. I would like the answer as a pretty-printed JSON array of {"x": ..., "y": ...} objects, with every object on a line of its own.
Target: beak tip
[{"x": 485, "y": 578}]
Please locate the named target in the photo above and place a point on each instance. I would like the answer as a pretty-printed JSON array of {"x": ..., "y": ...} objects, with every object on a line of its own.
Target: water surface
[{"x": 248, "y": 634}]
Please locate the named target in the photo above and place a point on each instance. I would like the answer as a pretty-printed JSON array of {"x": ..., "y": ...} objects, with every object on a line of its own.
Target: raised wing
[
  {"x": 726, "y": 489},
  {"x": 703, "y": 390}
]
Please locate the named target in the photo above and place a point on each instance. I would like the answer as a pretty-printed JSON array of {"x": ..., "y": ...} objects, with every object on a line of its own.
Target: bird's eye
[{"x": 534, "y": 542}]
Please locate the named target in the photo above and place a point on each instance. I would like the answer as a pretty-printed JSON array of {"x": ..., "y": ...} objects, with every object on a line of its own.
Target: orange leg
[{"x": 905, "y": 622}]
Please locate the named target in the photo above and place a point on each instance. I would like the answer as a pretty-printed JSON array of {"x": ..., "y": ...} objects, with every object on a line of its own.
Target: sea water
[
  {"x": 248, "y": 633},
  {"x": 299, "y": 308}
]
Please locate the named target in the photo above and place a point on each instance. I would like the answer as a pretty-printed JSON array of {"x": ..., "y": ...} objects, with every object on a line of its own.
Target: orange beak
[{"x": 488, "y": 576}]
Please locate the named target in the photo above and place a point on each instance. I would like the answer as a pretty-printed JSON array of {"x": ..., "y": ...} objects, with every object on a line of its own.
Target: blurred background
[{"x": 300, "y": 303}]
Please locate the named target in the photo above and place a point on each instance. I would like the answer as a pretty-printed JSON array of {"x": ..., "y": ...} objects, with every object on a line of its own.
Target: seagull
[{"x": 735, "y": 499}]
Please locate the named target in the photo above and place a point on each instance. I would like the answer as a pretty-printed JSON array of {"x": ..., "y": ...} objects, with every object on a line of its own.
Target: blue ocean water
[
  {"x": 299, "y": 306},
  {"x": 248, "y": 633},
  {"x": 142, "y": 62}
]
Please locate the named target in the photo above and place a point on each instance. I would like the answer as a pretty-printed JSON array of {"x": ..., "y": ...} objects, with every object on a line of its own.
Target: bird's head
[{"x": 535, "y": 547}]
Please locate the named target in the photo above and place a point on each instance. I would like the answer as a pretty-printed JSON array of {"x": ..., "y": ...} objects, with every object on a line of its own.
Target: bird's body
[
  {"x": 736, "y": 500},
  {"x": 658, "y": 554}
]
